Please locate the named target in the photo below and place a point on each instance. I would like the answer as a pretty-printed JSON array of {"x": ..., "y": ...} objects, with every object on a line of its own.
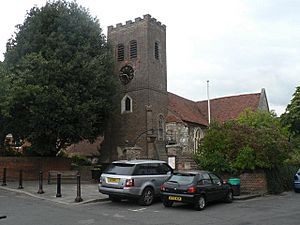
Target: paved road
[{"x": 25, "y": 210}]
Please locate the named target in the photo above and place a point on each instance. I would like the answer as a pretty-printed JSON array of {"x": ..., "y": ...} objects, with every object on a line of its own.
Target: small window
[
  {"x": 133, "y": 49},
  {"x": 215, "y": 178},
  {"x": 164, "y": 169},
  {"x": 161, "y": 128},
  {"x": 156, "y": 50},
  {"x": 120, "y": 52},
  {"x": 126, "y": 104}
]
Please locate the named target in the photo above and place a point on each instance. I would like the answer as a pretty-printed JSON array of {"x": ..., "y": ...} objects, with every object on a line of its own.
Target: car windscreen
[
  {"x": 182, "y": 178},
  {"x": 120, "y": 169}
]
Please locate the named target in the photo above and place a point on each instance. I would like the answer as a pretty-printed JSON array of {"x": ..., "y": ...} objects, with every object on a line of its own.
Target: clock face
[{"x": 126, "y": 74}]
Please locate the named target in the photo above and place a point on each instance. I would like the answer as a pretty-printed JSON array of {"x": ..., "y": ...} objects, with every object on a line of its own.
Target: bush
[
  {"x": 280, "y": 179},
  {"x": 80, "y": 161}
]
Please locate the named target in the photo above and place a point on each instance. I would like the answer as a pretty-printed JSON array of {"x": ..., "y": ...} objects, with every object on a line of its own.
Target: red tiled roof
[
  {"x": 228, "y": 108},
  {"x": 184, "y": 109},
  {"x": 222, "y": 109},
  {"x": 85, "y": 148}
]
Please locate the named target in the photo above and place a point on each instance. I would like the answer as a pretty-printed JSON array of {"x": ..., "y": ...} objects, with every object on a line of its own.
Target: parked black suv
[{"x": 195, "y": 187}]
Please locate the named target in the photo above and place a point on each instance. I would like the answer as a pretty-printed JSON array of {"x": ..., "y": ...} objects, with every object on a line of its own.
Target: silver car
[{"x": 139, "y": 179}]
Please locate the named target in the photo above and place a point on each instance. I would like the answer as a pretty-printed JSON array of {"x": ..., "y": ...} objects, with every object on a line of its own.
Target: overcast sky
[{"x": 240, "y": 46}]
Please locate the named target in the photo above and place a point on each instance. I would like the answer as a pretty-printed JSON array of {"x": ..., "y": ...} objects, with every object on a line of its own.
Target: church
[{"x": 150, "y": 121}]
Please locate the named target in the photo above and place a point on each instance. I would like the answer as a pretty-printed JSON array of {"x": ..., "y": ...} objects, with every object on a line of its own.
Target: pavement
[{"x": 89, "y": 192}]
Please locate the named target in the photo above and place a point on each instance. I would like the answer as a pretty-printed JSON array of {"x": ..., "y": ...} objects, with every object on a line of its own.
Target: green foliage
[
  {"x": 80, "y": 161},
  {"x": 62, "y": 68},
  {"x": 5, "y": 85},
  {"x": 245, "y": 144},
  {"x": 291, "y": 117},
  {"x": 245, "y": 159},
  {"x": 279, "y": 179}
]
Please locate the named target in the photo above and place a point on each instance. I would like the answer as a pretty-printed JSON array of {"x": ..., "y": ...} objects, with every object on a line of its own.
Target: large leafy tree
[
  {"x": 5, "y": 83},
  {"x": 291, "y": 117},
  {"x": 63, "y": 86}
]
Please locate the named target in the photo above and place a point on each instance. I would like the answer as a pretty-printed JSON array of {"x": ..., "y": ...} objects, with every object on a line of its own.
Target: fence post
[
  {"x": 58, "y": 192},
  {"x": 21, "y": 180},
  {"x": 78, "y": 198},
  {"x": 40, "y": 191},
  {"x": 4, "y": 177}
]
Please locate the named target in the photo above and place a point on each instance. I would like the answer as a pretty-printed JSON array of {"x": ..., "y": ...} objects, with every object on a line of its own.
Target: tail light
[
  {"x": 129, "y": 183},
  {"x": 162, "y": 187},
  {"x": 192, "y": 189}
]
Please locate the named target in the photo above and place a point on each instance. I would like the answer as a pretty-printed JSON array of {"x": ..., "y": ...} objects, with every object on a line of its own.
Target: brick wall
[
  {"x": 31, "y": 166},
  {"x": 251, "y": 182}
]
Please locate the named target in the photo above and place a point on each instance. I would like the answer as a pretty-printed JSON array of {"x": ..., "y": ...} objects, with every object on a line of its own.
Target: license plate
[
  {"x": 113, "y": 180},
  {"x": 175, "y": 198}
]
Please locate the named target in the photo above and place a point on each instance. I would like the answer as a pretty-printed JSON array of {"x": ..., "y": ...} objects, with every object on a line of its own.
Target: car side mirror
[{"x": 169, "y": 173}]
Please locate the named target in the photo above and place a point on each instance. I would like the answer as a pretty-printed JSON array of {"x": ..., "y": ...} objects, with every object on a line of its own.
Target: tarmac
[{"x": 89, "y": 192}]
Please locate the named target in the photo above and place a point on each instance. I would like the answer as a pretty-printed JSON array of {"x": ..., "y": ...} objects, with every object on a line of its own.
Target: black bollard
[
  {"x": 40, "y": 191},
  {"x": 58, "y": 192},
  {"x": 4, "y": 177},
  {"x": 21, "y": 180},
  {"x": 78, "y": 198}
]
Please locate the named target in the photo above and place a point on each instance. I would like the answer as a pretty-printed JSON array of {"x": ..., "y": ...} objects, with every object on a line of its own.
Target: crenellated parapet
[{"x": 129, "y": 23}]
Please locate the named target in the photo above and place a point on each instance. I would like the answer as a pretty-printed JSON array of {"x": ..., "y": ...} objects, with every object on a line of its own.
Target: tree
[
  {"x": 291, "y": 117},
  {"x": 254, "y": 140},
  {"x": 4, "y": 95},
  {"x": 63, "y": 87}
]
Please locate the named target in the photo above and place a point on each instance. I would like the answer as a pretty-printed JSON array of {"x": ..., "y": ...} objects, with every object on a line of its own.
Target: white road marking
[
  {"x": 118, "y": 216},
  {"x": 87, "y": 222},
  {"x": 137, "y": 210}
]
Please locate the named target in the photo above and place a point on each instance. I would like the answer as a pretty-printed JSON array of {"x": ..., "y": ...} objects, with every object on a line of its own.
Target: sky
[{"x": 240, "y": 46}]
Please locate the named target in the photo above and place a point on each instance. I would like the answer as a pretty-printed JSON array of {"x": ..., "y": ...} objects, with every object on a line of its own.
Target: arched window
[
  {"x": 198, "y": 135},
  {"x": 156, "y": 50},
  {"x": 161, "y": 128},
  {"x": 126, "y": 104},
  {"x": 120, "y": 52},
  {"x": 133, "y": 49}
]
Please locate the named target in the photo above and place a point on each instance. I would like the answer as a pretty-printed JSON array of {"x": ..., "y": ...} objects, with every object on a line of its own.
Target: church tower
[{"x": 140, "y": 64}]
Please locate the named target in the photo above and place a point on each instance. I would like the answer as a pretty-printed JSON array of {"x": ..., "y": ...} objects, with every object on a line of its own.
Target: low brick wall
[
  {"x": 251, "y": 182},
  {"x": 31, "y": 166}
]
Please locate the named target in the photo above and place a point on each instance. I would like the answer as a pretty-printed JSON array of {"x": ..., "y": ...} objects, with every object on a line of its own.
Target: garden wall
[
  {"x": 31, "y": 166},
  {"x": 251, "y": 182}
]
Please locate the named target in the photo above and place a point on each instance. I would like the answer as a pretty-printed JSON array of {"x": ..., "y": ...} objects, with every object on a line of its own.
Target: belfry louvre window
[
  {"x": 133, "y": 49},
  {"x": 156, "y": 50},
  {"x": 120, "y": 52}
]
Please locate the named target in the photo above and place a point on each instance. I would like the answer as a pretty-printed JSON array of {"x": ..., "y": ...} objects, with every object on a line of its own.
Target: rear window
[
  {"x": 120, "y": 169},
  {"x": 181, "y": 178}
]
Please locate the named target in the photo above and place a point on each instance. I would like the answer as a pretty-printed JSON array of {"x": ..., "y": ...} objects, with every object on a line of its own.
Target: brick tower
[{"x": 140, "y": 65}]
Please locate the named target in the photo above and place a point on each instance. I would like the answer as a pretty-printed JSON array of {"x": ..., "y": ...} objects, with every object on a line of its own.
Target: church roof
[{"x": 222, "y": 109}]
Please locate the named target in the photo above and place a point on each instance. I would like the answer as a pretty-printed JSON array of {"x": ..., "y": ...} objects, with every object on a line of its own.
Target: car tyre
[
  {"x": 229, "y": 197},
  {"x": 147, "y": 197},
  {"x": 167, "y": 203},
  {"x": 200, "y": 203},
  {"x": 114, "y": 198},
  {"x": 297, "y": 190}
]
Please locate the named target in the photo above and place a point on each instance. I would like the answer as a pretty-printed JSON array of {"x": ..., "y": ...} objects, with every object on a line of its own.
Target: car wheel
[
  {"x": 114, "y": 198},
  {"x": 167, "y": 203},
  {"x": 147, "y": 197},
  {"x": 297, "y": 190},
  {"x": 229, "y": 197},
  {"x": 200, "y": 203}
]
